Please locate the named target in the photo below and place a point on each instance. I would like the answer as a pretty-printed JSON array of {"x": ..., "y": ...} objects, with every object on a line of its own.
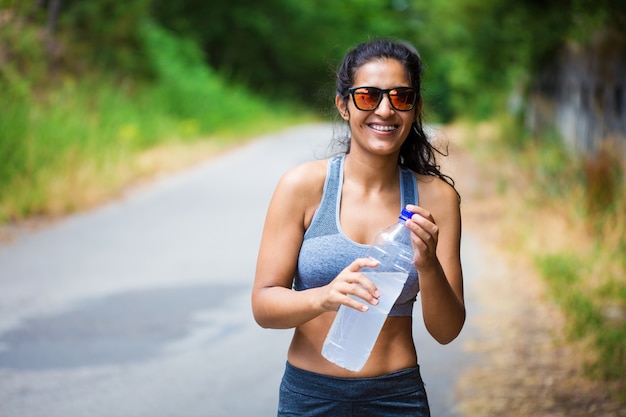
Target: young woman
[{"x": 323, "y": 217}]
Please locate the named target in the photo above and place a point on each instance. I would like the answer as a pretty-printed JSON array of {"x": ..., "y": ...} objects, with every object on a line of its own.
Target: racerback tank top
[{"x": 326, "y": 250}]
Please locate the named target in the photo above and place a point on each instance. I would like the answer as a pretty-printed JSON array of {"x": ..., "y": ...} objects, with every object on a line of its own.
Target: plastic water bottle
[{"x": 353, "y": 334}]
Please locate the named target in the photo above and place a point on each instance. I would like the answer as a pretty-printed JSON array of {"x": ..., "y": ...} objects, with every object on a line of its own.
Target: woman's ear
[{"x": 342, "y": 107}]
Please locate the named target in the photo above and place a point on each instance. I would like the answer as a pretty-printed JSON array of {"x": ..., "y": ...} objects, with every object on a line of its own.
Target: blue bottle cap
[{"x": 405, "y": 215}]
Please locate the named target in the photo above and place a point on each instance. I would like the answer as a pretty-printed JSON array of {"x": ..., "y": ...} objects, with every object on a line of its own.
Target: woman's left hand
[{"x": 424, "y": 237}]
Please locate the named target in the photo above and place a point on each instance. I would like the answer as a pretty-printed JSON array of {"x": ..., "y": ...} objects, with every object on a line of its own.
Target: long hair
[{"x": 416, "y": 153}]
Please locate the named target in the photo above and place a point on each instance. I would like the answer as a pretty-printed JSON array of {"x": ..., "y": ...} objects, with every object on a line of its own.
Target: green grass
[
  {"x": 65, "y": 142},
  {"x": 585, "y": 270},
  {"x": 596, "y": 311}
]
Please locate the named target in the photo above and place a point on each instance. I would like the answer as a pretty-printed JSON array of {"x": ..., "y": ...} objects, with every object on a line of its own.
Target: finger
[
  {"x": 422, "y": 216},
  {"x": 366, "y": 290},
  {"x": 369, "y": 286},
  {"x": 421, "y": 212},
  {"x": 362, "y": 279},
  {"x": 359, "y": 263},
  {"x": 359, "y": 303},
  {"x": 358, "y": 285},
  {"x": 356, "y": 303},
  {"x": 429, "y": 235},
  {"x": 420, "y": 225}
]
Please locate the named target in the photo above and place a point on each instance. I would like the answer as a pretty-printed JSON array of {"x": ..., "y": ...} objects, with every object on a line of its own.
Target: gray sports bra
[{"x": 326, "y": 250}]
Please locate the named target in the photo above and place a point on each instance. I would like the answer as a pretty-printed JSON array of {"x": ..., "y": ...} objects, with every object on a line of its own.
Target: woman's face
[{"x": 384, "y": 129}]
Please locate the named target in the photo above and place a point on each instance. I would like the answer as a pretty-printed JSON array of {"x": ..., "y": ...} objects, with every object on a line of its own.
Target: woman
[{"x": 321, "y": 219}]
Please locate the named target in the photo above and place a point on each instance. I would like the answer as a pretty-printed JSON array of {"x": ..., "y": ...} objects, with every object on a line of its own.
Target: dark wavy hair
[{"x": 417, "y": 153}]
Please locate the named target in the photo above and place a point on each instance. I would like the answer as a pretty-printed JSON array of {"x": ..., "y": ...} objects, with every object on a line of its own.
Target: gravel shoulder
[{"x": 529, "y": 367}]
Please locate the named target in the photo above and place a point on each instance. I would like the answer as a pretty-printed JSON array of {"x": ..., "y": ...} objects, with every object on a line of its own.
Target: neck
[{"x": 372, "y": 172}]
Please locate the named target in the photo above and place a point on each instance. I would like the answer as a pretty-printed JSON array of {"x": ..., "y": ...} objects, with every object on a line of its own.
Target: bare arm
[
  {"x": 274, "y": 303},
  {"x": 437, "y": 249}
]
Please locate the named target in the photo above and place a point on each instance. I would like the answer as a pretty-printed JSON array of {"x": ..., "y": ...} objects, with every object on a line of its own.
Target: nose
[{"x": 384, "y": 107}]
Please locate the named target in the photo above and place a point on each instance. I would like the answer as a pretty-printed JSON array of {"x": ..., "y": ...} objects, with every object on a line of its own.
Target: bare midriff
[{"x": 393, "y": 351}]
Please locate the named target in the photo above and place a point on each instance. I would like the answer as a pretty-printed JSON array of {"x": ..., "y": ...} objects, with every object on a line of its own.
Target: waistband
[{"x": 404, "y": 381}]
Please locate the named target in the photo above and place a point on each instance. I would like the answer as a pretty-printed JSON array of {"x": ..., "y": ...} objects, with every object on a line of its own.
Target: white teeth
[{"x": 383, "y": 128}]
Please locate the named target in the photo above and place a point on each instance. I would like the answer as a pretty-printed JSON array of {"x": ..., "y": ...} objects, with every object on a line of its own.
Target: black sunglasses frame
[{"x": 382, "y": 92}]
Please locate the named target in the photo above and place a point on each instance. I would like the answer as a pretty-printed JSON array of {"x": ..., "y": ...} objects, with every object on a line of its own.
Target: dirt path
[{"x": 529, "y": 369}]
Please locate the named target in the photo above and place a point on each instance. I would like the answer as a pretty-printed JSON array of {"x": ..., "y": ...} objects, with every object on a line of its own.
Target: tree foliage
[
  {"x": 475, "y": 51},
  {"x": 482, "y": 49},
  {"x": 281, "y": 47}
]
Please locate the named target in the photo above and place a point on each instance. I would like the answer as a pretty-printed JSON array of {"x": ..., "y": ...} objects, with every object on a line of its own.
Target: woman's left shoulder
[
  {"x": 437, "y": 195},
  {"x": 431, "y": 187}
]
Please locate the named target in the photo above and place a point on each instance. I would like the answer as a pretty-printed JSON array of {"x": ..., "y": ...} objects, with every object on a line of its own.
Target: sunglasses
[{"x": 368, "y": 98}]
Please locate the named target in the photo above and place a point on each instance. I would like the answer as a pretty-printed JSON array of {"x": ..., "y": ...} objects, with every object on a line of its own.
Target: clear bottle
[{"x": 353, "y": 333}]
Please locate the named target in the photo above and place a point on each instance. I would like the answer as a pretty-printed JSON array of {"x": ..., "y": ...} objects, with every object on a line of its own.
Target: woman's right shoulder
[
  {"x": 300, "y": 190},
  {"x": 305, "y": 178}
]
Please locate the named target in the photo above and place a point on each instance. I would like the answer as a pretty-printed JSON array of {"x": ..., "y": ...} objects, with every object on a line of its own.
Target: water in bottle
[{"x": 353, "y": 333}]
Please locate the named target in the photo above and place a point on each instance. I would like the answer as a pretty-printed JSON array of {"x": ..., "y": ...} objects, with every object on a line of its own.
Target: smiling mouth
[{"x": 384, "y": 128}]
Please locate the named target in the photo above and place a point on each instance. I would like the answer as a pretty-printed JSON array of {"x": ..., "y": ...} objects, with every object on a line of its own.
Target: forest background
[{"x": 96, "y": 94}]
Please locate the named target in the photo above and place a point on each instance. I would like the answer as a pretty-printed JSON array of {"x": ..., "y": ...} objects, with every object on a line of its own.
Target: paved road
[{"x": 142, "y": 307}]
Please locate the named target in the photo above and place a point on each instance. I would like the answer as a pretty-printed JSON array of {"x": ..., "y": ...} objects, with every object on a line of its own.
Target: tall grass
[
  {"x": 586, "y": 272},
  {"x": 68, "y": 144}
]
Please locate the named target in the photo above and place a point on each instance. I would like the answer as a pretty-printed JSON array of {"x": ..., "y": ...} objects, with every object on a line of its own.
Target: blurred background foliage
[
  {"x": 88, "y": 88},
  {"x": 476, "y": 51}
]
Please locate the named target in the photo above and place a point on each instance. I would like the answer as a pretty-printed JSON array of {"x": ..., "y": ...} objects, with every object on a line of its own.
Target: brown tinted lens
[
  {"x": 402, "y": 99},
  {"x": 366, "y": 98}
]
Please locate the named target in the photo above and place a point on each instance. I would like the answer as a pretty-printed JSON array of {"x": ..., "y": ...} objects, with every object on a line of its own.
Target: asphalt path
[{"x": 141, "y": 307}]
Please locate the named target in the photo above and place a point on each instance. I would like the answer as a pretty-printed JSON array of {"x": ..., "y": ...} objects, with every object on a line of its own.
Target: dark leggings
[{"x": 304, "y": 393}]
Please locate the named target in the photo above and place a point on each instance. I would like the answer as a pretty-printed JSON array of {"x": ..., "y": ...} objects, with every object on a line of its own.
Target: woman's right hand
[{"x": 349, "y": 282}]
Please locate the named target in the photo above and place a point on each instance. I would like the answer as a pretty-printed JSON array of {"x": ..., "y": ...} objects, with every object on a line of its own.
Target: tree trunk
[{"x": 53, "y": 14}]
